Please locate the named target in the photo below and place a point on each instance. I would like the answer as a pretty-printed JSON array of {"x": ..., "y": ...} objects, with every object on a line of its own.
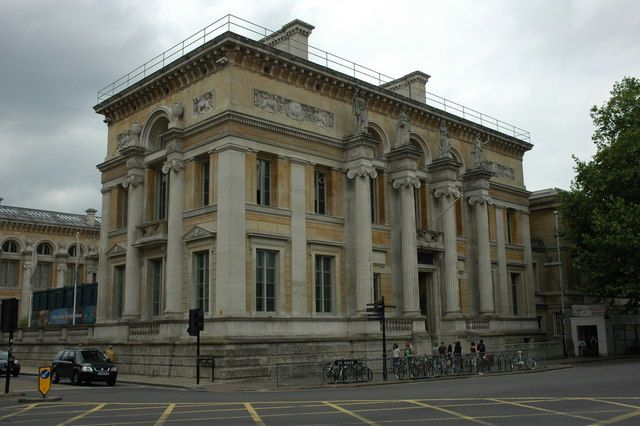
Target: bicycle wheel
[
  {"x": 399, "y": 371},
  {"x": 531, "y": 364},
  {"x": 349, "y": 374},
  {"x": 327, "y": 375},
  {"x": 369, "y": 374}
]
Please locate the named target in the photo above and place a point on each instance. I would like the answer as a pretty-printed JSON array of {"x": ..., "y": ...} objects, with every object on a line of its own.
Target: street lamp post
[
  {"x": 564, "y": 340},
  {"x": 75, "y": 280}
]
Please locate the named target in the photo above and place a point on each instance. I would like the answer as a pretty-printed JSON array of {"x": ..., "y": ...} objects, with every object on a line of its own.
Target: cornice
[
  {"x": 274, "y": 63},
  {"x": 47, "y": 229},
  {"x": 510, "y": 189}
]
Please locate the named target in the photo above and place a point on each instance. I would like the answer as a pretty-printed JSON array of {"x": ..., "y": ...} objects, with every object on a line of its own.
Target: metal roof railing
[{"x": 259, "y": 33}]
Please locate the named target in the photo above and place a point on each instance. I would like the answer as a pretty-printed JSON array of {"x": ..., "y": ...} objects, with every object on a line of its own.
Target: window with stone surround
[
  {"x": 10, "y": 246},
  {"x": 9, "y": 273},
  {"x": 155, "y": 278},
  {"x": 42, "y": 275},
  {"x": 377, "y": 286},
  {"x": 264, "y": 179},
  {"x": 324, "y": 283},
  {"x": 266, "y": 280},
  {"x": 122, "y": 207},
  {"x": 320, "y": 182},
  {"x": 161, "y": 195},
  {"x": 203, "y": 179},
  {"x": 557, "y": 324},
  {"x": 201, "y": 279},
  {"x": 511, "y": 226},
  {"x": 44, "y": 249},
  {"x": 515, "y": 281},
  {"x": 118, "y": 290}
]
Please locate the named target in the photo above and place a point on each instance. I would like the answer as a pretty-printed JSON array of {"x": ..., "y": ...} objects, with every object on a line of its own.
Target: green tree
[{"x": 602, "y": 210}]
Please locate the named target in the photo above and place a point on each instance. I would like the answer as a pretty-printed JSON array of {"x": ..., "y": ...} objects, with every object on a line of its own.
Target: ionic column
[
  {"x": 362, "y": 234},
  {"x": 299, "y": 304},
  {"x": 174, "y": 167},
  {"x": 101, "y": 311},
  {"x": 525, "y": 237},
  {"x": 409, "y": 246},
  {"x": 133, "y": 181},
  {"x": 502, "y": 262},
  {"x": 485, "y": 283},
  {"x": 25, "y": 296},
  {"x": 448, "y": 196}
]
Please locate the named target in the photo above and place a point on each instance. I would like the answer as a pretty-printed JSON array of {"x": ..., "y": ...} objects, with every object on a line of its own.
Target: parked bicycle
[
  {"x": 522, "y": 360},
  {"x": 346, "y": 371}
]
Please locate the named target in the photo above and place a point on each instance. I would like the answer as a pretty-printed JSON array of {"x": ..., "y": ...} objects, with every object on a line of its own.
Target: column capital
[
  {"x": 362, "y": 171},
  {"x": 132, "y": 180},
  {"x": 135, "y": 162},
  {"x": 173, "y": 164},
  {"x": 481, "y": 199},
  {"x": 406, "y": 182},
  {"x": 447, "y": 191}
]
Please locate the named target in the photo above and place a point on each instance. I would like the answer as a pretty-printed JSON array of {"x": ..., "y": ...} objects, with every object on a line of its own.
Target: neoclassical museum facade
[{"x": 282, "y": 196}]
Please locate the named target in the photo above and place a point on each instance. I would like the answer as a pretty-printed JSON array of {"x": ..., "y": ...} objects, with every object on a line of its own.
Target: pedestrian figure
[
  {"x": 396, "y": 355},
  {"x": 110, "y": 353}
]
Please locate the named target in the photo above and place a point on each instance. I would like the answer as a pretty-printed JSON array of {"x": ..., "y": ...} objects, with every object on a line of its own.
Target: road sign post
[
  {"x": 9, "y": 324},
  {"x": 44, "y": 380},
  {"x": 375, "y": 312}
]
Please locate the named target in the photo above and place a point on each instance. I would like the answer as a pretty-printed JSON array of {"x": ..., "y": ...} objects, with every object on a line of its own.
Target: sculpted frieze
[
  {"x": 499, "y": 170},
  {"x": 203, "y": 103},
  {"x": 130, "y": 137},
  {"x": 292, "y": 109}
]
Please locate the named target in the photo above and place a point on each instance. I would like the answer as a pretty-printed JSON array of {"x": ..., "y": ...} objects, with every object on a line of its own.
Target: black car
[
  {"x": 83, "y": 365},
  {"x": 3, "y": 365}
]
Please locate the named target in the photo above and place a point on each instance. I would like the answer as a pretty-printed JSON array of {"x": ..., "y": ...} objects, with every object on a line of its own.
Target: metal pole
[
  {"x": 384, "y": 343},
  {"x": 9, "y": 364},
  {"x": 564, "y": 340},
  {"x": 75, "y": 281},
  {"x": 198, "y": 358}
]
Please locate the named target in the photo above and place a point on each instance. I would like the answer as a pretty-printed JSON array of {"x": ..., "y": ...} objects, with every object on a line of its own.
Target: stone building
[
  {"x": 282, "y": 196},
  {"x": 38, "y": 251}
]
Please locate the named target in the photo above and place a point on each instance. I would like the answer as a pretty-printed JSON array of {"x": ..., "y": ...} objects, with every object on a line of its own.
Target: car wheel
[
  {"x": 75, "y": 380},
  {"x": 54, "y": 376},
  {"x": 111, "y": 382}
]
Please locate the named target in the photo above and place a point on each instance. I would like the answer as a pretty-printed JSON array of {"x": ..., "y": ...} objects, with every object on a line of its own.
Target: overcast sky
[{"x": 540, "y": 65}]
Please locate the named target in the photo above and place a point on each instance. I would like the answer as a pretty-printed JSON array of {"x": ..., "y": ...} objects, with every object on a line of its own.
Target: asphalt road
[{"x": 598, "y": 393}]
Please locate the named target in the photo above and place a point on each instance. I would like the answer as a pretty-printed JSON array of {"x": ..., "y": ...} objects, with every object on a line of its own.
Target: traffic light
[{"x": 196, "y": 321}]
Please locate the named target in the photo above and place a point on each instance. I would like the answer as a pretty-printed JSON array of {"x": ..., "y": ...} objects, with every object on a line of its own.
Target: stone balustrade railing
[
  {"x": 399, "y": 326},
  {"x": 477, "y": 324},
  {"x": 144, "y": 331}
]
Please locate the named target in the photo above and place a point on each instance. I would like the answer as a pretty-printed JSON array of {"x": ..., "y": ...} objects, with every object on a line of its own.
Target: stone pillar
[
  {"x": 525, "y": 235},
  {"x": 448, "y": 196},
  {"x": 101, "y": 308},
  {"x": 133, "y": 181},
  {"x": 231, "y": 266},
  {"x": 362, "y": 235},
  {"x": 502, "y": 263},
  {"x": 410, "y": 294},
  {"x": 25, "y": 296},
  {"x": 485, "y": 283},
  {"x": 299, "y": 303},
  {"x": 174, "y": 168},
  {"x": 61, "y": 269}
]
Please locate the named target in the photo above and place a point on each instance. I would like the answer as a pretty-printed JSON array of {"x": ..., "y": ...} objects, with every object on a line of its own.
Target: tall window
[
  {"x": 42, "y": 276},
  {"x": 9, "y": 273},
  {"x": 514, "y": 292},
  {"x": 161, "y": 195},
  {"x": 156, "y": 286},
  {"x": 266, "y": 280},
  {"x": 201, "y": 267},
  {"x": 373, "y": 192},
  {"x": 263, "y": 195},
  {"x": 324, "y": 283},
  {"x": 118, "y": 281},
  {"x": 123, "y": 207},
  {"x": 320, "y": 189},
  {"x": 204, "y": 183},
  {"x": 510, "y": 226},
  {"x": 557, "y": 324},
  {"x": 377, "y": 287}
]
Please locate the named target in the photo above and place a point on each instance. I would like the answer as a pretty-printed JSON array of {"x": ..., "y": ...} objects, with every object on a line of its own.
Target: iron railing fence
[
  {"x": 425, "y": 367},
  {"x": 322, "y": 57}
]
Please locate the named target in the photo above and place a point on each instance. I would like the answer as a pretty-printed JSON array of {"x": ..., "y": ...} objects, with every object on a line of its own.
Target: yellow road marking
[
  {"x": 166, "y": 414},
  {"x": 24, "y": 410},
  {"x": 444, "y": 410},
  {"x": 86, "y": 413},
  {"x": 635, "y": 407},
  {"x": 531, "y": 407},
  {"x": 349, "y": 412},
  {"x": 254, "y": 414},
  {"x": 619, "y": 418}
]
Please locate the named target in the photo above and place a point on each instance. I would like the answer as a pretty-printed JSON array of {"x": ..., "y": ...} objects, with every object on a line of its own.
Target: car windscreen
[
  {"x": 90, "y": 356},
  {"x": 4, "y": 355}
]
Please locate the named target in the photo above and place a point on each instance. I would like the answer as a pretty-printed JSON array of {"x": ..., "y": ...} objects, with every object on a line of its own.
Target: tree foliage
[{"x": 602, "y": 210}]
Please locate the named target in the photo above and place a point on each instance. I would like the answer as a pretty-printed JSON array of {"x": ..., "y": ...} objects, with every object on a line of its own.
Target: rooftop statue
[
  {"x": 360, "y": 115},
  {"x": 403, "y": 130},
  {"x": 444, "y": 148}
]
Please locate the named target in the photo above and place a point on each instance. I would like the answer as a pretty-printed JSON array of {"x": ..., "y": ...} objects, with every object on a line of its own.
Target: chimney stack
[
  {"x": 292, "y": 38},
  {"x": 91, "y": 216}
]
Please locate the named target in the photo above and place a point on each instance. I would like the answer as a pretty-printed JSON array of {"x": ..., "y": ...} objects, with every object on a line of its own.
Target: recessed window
[
  {"x": 204, "y": 183},
  {"x": 201, "y": 279},
  {"x": 10, "y": 247},
  {"x": 161, "y": 195},
  {"x": 514, "y": 292},
  {"x": 324, "y": 283},
  {"x": 123, "y": 207},
  {"x": 263, "y": 194},
  {"x": 510, "y": 226},
  {"x": 377, "y": 287},
  {"x": 266, "y": 280},
  {"x": 320, "y": 190},
  {"x": 42, "y": 276},
  {"x": 44, "y": 249},
  {"x": 118, "y": 281},
  {"x": 9, "y": 273},
  {"x": 155, "y": 267},
  {"x": 73, "y": 251}
]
